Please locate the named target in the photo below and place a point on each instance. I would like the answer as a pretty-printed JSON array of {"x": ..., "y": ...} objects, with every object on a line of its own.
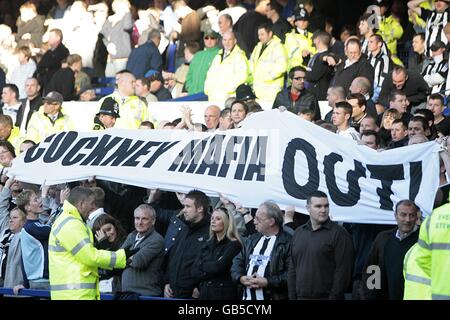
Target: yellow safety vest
[
  {"x": 419, "y": 21},
  {"x": 41, "y": 127},
  {"x": 16, "y": 138},
  {"x": 391, "y": 30},
  {"x": 73, "y": 259},
  {"x": 225, "y": 75},
  {"x": 433, "y": 254},
  {"x": 132, "y": 111},
  {"x": 295, "y": 43},
  {"x": 268, "y": 69},
  {"x": 417, "y": 283}
]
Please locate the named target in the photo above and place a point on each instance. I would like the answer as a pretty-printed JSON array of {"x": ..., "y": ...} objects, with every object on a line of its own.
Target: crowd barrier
[
  {"x": 83, "y": 113},
  {"x": 45, "y": 294}
]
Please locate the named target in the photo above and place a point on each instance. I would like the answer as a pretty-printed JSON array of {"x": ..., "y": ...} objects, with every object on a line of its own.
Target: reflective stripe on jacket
[
  {"x": 73, "y": 259},
  {"x": 417, "y": 283},
  {"x": 132, "y": 111},
  {"x": 433, "y": 253},
  {"x": 268, "y": 69},
  {"x": 225, "y": 75},
  {"x": 41, "y": 127}
]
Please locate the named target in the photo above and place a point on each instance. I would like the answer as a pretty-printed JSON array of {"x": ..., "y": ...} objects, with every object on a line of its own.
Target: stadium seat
[
  {"x": 103, "y": 81},
  {"x": 103, "y": 91}
]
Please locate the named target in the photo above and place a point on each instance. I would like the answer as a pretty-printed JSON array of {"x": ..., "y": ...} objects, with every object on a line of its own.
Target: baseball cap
[
  {"x": 153, "y": 75},
  {"x": 109, "y": 107},
  {"x": 211, "y": 33},
  {"x": 54, "y": 96}
]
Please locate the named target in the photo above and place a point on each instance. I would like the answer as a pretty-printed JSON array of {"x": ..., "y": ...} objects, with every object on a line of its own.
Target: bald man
[{"x": 212, "y": 114}]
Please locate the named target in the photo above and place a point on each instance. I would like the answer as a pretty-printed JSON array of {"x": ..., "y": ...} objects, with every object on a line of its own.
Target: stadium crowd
[{"x": 384, "y": 83}]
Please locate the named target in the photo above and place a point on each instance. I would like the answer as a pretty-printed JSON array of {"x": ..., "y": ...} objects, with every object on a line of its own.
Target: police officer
[{"x": 106, "y": 117}]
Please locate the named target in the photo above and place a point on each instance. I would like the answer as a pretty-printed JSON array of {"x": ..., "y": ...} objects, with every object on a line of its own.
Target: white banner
[{"x": 274, "y": 156}]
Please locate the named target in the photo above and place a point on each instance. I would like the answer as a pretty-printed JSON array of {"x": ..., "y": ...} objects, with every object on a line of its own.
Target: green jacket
[{"x": 196, "y": 76}]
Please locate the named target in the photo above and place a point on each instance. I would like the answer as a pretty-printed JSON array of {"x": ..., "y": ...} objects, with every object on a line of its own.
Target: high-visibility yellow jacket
[
  {"x": 268, "y": 69},
  {"x": 419, "y": 21},
  {"x": 41, "y": 126},
  {"x": 16, "y": 138},
  {"x": 417, "y": 283},
  {"x": 391, "y": 30},
  {"x": 73, "y": 259},
  {"x": 225, "y": 75},
  {"x": 132, "y": 111},
  {"x": 295, "y": 43},
  {"x": 433, "y": 254}
]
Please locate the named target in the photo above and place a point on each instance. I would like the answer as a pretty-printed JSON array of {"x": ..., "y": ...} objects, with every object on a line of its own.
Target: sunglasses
[
  {"x": 209, "y": 38},
  {"x": 298, "y": 78}
]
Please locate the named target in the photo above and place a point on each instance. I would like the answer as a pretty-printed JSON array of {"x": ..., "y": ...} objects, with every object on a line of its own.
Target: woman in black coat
[{"x": 212, "y": 266}]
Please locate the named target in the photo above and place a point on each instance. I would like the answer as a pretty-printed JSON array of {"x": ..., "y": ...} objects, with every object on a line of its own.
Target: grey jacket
[
  {"x": 142, "y": 275},
  {"x": 5, "y": 197},
  {"x": 14, "y": 274},
  {"x": 119, "y": 34}
]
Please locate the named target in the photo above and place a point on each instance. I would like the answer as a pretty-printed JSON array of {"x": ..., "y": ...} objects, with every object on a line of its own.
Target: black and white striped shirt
[
  {"x": 382, "y": 65},
  {"x": 258, "y": 262},
  {"x": 436, "y": 70},
  {"x": 365, "y": 47},
  {"x": 434, "y": 28}
]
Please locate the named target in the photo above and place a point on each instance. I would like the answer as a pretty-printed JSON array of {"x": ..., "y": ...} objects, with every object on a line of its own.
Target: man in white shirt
[
  {"x": 11, "y": 105},
  {"x": 30, "y": 104},
  {"x": 342, "y": 114}
]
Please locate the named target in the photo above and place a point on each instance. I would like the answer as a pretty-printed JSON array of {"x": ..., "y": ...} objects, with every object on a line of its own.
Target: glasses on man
[
  {"x": 209, "y": 38},
  {"x": 298, "y": 78}
]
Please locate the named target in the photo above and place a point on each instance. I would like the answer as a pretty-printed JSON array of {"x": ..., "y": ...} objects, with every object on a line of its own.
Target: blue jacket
[{"x": 144, "y": 58}]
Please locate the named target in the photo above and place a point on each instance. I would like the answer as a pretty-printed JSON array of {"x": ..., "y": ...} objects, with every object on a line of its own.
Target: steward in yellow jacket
[
  {"x": 268, "y": 65},
  {"x": 10, "y": 133},
  {"x": 417, "y": 283},
  {"x": 73, "y": 259},
  {"x": 391, "y": 30},
  {"x": 49, "y": 119},
  {"x": 132, "y": 111},
  {"x": 299, "y": 41},
  {"x": 228, "y": 70},
  {"x": 433, "y": 253}
]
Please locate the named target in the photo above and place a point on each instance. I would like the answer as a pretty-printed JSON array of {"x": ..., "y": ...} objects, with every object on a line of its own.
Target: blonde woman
[
  {"x": 386, "y": 125},
  {"x": 212, "y": 267}
]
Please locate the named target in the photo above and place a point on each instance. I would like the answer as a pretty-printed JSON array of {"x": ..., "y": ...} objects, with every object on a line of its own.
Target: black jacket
[
  {"x": 182, "y": 257},
  {"x": 63, "y": 81},
  {"x": 212, "y": 269},
  {"x": 49, "y": 64},
  {"x": 280, "y": 28},
  {"x": 415, "y": 89},
  {"x": 35, "y": 104},
  {"x": 319, "y": 76},
  {"x": 276, "y": 271},
  {"x": 306, "y": 100},
  {"x": 249, "y": 36},
  {"x": 321, "y": 262},
  {"x": 361, "y": 68}
]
